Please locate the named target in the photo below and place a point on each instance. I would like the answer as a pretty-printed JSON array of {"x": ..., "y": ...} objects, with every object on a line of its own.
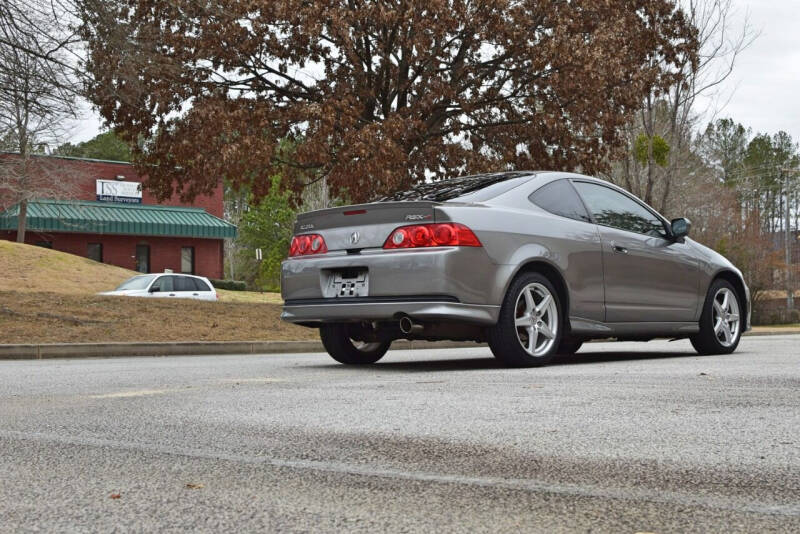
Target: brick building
[{"x": 109, "y": 217}]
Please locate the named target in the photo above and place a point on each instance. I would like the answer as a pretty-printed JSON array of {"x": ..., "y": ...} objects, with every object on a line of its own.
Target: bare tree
[
  {"x": 660, "y": 135},
  {"x": 28, "y": 27},
  {"x": 38, "y": 94}
]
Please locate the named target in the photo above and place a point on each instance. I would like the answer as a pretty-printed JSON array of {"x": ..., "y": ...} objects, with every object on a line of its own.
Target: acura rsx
[{"x": 534, "y": 263}]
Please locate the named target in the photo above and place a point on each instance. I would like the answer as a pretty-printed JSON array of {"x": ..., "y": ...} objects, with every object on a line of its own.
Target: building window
[
  {"x": 187, "y": 260},
  {"x": 94, "y": 252},
  {"x": 143, "y": 258}
]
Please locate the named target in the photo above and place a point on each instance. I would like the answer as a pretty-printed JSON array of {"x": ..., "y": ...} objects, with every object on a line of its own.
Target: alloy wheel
[
  {"x": 726, "y": 317},
  {"x": 536, "y": 319}
]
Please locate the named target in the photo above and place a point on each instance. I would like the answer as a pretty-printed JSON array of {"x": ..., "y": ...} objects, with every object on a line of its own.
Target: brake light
[
  {"x": 432, "y": 235},
  {"x": 307, "y": 245}
]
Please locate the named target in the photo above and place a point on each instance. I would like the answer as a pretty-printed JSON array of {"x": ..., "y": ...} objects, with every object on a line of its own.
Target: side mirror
[
  {"x": 154, "y": 289},
  {"x": 680, "y": 228}
]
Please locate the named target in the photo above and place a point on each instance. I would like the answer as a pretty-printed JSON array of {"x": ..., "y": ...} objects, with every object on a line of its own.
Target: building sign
[{"x": 115, "y": 191}]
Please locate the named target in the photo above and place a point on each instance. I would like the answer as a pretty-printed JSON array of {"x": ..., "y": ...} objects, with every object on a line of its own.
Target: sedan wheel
[
  {"x": 342, "y": 348},
  {"x": 529, "y": 328},
  {"x": 720, "y": 324}
]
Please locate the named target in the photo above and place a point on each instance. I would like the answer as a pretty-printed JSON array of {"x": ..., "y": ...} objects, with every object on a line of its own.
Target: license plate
[{"x": 350, "y": 283}]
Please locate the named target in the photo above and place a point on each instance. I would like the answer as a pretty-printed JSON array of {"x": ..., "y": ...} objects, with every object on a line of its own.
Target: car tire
[
  {"x": 521, "y": 325},
  {"x": 336, "y": 340},
  {"x": 720, "y": 322},
  {"x": 569, "y": 346}
]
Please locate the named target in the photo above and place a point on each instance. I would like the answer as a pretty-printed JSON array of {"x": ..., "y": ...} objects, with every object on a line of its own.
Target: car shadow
[
  {"x": 421, "y": 365},
  {"x": 586, "y": 356},
  {"x": 617, "y": 356}
]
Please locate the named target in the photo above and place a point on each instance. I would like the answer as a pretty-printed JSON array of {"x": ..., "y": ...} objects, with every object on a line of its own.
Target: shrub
[{"x": 231, "y": 285}]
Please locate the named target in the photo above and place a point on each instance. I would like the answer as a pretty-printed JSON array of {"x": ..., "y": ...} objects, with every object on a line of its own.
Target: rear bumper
[
  {"x": 465, "y": 273},
  {"x": 354, "y": 309}
]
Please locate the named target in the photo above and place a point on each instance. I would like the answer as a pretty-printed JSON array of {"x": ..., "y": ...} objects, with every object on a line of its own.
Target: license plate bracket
[{"x": 348, "y": 283}]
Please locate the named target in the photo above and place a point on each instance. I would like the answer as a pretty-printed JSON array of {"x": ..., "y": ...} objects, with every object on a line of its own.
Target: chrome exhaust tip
[{"x": 407, "y": 326}]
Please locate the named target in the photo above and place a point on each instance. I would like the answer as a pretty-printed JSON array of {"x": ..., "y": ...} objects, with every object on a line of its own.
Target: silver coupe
[{"x": 534, "y": 263}]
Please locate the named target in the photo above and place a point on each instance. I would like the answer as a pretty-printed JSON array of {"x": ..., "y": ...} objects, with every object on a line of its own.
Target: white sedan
[{"x": 166, "y": 285}]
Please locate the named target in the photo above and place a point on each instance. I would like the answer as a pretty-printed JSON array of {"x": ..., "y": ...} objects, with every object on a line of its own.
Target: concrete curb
[
  {"x": 773, "y": 332},
  {"x": 112, "y": 350},
  {"x": 115, "y": 350}
]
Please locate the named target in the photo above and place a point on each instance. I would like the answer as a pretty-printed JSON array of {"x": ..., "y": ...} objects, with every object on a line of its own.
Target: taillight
[
  {"x": 307, "y": 245},
  {"x": 432, "y": 235}
]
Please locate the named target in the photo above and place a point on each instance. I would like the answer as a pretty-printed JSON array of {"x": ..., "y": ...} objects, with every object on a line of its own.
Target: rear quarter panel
[{"x": 515, "y": 232}]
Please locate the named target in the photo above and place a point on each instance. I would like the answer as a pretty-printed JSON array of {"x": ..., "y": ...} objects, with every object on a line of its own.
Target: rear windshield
[{"x": 476, "y": 188}]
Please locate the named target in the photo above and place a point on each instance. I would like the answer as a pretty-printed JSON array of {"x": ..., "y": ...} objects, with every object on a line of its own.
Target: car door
[
  {"x": 190, "y": 287},
  {"x": 162, "y": 287},
  {"x": 204, "y": 291},
  {"x": 185, "y": 287},
  {"x": 648, "y": 277}
]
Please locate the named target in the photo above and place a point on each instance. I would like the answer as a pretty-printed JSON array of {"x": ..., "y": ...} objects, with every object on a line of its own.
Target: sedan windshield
[
  {"x": 137, "y": 282},
  {"x": 476, "y": 188}
]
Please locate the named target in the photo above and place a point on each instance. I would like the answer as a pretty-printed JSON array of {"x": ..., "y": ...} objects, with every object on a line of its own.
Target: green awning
[{"x": 90, "y": 217}]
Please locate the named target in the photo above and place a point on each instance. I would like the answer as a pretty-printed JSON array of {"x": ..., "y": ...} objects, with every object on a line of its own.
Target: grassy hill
[
  {"x": 28, "y": 268},
  {"x": 48, "y": 296},
  {"x": 37, "y": 269}
]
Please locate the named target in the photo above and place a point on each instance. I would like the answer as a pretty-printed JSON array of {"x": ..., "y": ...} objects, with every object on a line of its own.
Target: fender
[{"x": 735, "y": 278}]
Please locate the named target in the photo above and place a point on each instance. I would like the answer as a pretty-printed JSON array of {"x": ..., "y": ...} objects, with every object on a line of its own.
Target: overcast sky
[
  {"x": 764, "y": 90},
  {"x": 762, "y": 93}
]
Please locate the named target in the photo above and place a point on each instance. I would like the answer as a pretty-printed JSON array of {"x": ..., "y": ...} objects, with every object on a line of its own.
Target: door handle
[
  {"x": 172, "y": 294},
  {"x": 194, "y": 294},
  {"x": 619, "y": 249}
]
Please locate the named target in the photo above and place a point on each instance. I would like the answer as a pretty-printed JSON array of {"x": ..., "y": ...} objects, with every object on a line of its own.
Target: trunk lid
[{"x": 363, "y": 225}]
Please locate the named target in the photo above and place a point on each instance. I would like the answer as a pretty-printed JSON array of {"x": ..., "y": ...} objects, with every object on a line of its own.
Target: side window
[
  {"x": 164, "y": 284},
  {"x": 560, "y": 198},
  {"x": 184, "y": 283},
  {"x": 616, "y": 210},
  {"x": 201, "y": 285}
]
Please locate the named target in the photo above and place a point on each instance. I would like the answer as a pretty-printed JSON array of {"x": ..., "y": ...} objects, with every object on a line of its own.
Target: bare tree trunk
[
  {"x": 22, "y": 221},
  {"x": 627, "y": 174},
  {"x": 665, "y": 197},
  {"x": 649, "y": 130}
]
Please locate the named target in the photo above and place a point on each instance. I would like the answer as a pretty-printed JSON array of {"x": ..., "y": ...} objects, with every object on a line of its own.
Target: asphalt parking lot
[{"x": 620, "y": 438}]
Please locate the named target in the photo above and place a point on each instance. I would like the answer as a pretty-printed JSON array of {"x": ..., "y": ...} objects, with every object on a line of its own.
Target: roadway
[{"x": 622, "y": 437}]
